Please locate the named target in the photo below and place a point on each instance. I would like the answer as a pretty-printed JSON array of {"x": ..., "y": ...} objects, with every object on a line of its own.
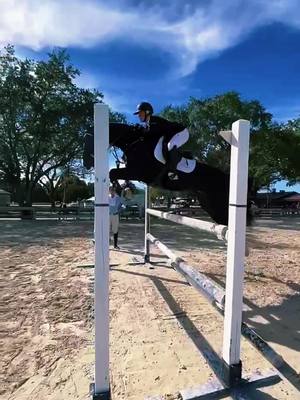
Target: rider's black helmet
[{"x": 144, "y": 106}]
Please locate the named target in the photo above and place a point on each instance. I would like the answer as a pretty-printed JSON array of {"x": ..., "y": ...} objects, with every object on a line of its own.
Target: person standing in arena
[{"x": 115, "y": 206}]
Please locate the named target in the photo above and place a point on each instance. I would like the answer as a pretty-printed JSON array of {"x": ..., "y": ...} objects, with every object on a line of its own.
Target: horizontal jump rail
[
  {"x": 209, "y": 289},
  {"x": 220, "y": 231},
  {"x": 215, "y": 294}
]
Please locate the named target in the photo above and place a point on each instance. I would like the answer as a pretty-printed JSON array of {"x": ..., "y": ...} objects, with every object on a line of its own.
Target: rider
[{"x": 171, "y": 136}]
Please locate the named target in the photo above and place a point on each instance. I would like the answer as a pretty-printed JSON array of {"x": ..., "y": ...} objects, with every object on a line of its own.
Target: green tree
[
  {"x": 275, "y": 155},
  {"x": 43, "y": 117},
  {"x": 274, "y": 148},
  {"x": 71, "y": 189},
  {"x": 115, "y": 116},
  {"x": 290, "y": 170},
  {"x": 205, "y": 118}
]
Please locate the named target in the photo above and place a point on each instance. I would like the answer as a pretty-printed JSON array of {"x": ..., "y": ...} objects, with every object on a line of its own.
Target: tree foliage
[
  {"x": 275, "y": 155},
  {"x": 71, "y": 189},
  {"x": 43, "y": 117},
  {"x": 274, "y": 148}
]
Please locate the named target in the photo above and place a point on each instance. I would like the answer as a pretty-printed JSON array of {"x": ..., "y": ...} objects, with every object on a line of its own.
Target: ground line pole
[
  {"x": 101, "y": 226},
  {"x": 239, "y": 141}
]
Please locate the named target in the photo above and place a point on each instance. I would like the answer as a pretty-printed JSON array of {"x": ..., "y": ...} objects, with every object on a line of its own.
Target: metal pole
[
  {"x": 147, "y": 226},
  {"x": 101, "y": 302},
  {"x": 236, "y": 250}
]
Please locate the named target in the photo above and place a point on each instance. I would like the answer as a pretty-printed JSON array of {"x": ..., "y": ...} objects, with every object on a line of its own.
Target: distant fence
[
  {"x": 87, "y": 213},
  {"x": 47, "y": 212},
  {"x": 59, "y": 213},
  {"x": 276, "y": 212}
]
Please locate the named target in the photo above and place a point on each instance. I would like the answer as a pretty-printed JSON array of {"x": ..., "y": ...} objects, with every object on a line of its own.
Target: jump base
[
  {"x": 139, "y": 260},
  {"x": 98, "y": 396},
  {"x": 215, "y": 390}
]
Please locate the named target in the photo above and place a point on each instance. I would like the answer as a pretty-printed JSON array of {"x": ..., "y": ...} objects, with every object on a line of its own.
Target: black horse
[{"x": 210, "y": 184}]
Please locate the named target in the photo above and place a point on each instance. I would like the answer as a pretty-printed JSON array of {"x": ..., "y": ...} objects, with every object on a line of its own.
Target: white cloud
[
  {"x": 37, "y": 24},
  {"x": 196, "y": 33},
  {"x": 112, "y": 96},
  {"x": 117, "y": 102},
  {"x": 87, "y": 80}
]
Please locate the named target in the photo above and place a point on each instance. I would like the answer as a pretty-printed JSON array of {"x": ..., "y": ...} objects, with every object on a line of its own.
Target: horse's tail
[{"x": 216, "y": 204}]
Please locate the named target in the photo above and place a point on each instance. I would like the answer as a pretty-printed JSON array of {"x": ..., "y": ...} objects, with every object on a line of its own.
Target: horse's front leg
[{"x": 122, "y": 173}]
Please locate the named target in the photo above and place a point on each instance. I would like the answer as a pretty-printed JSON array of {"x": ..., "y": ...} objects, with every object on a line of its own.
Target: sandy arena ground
[{"x": 160, "y": 326}]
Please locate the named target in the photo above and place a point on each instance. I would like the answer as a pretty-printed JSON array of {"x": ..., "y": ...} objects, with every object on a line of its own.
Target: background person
[{"x": 115, "y": 206}]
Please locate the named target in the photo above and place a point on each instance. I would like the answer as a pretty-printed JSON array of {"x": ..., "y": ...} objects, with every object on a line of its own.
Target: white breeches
[
  {"x": 114, "y": 223},
  {"x": 184, "y": 165},
  {"x": 179, "y": 139}
]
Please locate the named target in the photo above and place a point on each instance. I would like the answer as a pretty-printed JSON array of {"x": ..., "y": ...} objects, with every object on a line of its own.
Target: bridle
[
  {"x": 117, "y": 159},
  {"x": 126, "y": 147}
]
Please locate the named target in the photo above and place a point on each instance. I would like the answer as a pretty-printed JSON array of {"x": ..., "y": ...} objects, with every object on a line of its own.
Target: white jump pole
[
  {"x": 147, "y": 225},
  {"x": 220, "y": 231},
  {"x": 239, "y": 140},
  {"x": 101, "y": 388}
]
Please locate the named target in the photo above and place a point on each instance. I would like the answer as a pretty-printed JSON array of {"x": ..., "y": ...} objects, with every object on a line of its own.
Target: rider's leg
[
  {"x": 124, "y": 174},
  {"x": 174, "y": 156}
]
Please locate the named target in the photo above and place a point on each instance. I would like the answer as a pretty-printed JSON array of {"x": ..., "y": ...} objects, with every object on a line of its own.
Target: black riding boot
[
  {"x": 169, "y": 171},
  {"x": 174, "y": 156},
  {"x": 116, "y": 241}
]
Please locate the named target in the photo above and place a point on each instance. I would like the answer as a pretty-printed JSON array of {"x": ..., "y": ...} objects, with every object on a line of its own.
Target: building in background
[
  {"x": 4, "y": 198},
  {"x": 275, "y": 199}
]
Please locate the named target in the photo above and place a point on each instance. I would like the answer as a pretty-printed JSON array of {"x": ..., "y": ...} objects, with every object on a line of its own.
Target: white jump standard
[
  {"x": 100, "y": 389},
  {"x": 231, "y": 368}
]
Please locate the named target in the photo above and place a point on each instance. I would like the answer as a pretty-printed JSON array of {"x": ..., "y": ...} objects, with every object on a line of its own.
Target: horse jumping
[{"x": 209, "y": 183}]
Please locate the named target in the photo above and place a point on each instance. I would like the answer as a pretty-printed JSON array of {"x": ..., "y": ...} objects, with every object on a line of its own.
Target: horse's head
[
  {"x": 120, "y": 135},
  {"x": 123, "y": 135}
]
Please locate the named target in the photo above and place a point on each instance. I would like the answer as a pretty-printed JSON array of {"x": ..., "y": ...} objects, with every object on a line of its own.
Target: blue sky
[{"x": 165, "y": 51}]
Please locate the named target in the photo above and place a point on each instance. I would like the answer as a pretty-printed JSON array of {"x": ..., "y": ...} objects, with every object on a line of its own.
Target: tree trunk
[
  {"x": 28, "y": 214},
  {"x": 18, "y": 192}
]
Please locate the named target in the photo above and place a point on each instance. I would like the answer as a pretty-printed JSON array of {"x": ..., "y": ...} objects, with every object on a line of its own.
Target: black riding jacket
[{"x": 158, "y": 126}]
